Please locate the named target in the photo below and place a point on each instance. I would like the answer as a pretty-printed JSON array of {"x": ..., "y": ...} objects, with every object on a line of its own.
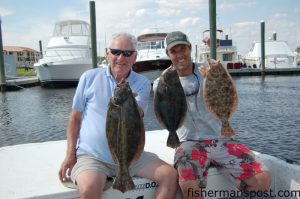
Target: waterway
[{"x": 267, "y": 119}]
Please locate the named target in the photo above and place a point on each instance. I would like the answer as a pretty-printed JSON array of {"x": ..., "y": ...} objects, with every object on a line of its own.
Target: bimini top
[
  {"x": 152, "y": 37},
  {"x": 71, "y": 28},
  {"x": 271, "y": 48}
]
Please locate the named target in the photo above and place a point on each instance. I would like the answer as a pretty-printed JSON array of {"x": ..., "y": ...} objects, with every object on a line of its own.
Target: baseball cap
[{"x": 175, "y": 38}]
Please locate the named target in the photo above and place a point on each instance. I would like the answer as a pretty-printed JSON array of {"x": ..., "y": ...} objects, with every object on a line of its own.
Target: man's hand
[
  {"x": 204, "y": 69},
  {"x": 139, "y": 108},
  {"x": 66, "y": 168}
]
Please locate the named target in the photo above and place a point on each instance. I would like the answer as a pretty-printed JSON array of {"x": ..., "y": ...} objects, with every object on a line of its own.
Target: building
[{"x": 25, "y": 57}]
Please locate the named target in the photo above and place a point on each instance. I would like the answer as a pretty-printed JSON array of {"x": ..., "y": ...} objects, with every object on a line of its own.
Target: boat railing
[{"x": 63, "y": 55}]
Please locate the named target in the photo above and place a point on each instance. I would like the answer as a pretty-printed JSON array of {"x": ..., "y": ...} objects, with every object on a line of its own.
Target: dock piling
[
  {"x": 93, "y": 33},
  {"x": 2, "y": 67},
  {"x": 213, "y": 29},
  {"x": 262, "y": 38}
]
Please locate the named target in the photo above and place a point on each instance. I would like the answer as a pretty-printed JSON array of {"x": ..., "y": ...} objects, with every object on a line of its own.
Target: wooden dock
[
  {"x": 24, "y": 81},
  {"x": 259, "y": 72},
  {"x": 17, "y": 83}
]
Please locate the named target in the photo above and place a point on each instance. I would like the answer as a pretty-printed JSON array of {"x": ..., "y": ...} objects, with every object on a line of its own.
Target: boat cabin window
[
  {"x": 67, "y": 29},
  {"x": 227, "y": 57},
  {"x": 155, "y": 44},
  {"x": 150, "y": 45}
]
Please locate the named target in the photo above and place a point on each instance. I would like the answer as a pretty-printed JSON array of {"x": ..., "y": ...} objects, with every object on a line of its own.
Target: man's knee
[
  {"x": 170, "y": 175},
  {"x": 88, "y": 190},
  {"x": 259, "y": 182},
  {"x": 190, "y": 189},
  {"x": 90, "y": 184}
]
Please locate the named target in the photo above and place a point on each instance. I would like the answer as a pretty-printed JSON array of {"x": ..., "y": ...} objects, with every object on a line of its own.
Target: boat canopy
[
  {"x": 71, "y": 28},
  {"x": 152, "y": 37},
  {"x": 271, "y": 48}
]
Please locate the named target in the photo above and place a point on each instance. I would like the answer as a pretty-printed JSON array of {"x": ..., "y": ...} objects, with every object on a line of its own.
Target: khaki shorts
[{"x": 87, "y": 162}]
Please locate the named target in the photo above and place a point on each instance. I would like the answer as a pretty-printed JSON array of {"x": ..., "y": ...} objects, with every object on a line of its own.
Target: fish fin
[
  {"x": 173, "y": 140},
  {"x": 123, "y": 183},
  {"x": 226, "y": 130}
]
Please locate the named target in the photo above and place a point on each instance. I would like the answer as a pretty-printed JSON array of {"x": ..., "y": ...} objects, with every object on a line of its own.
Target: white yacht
[
  {"x": 152, "y": 58},
  {"x": 277, "y": 55},
  {"x": 67, "y": 56},
  {"x": 226, "y": 51}
]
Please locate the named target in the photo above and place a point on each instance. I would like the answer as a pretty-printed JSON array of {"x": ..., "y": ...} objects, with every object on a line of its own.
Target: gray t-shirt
[{"x": 199, "y": 123}]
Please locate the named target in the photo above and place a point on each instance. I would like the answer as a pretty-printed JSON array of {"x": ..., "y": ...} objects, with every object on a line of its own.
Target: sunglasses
[{"x": 117, "y": 52}]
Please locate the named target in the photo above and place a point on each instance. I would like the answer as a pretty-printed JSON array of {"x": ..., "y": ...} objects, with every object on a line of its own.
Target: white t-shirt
[{"x": 199, "y": 124}]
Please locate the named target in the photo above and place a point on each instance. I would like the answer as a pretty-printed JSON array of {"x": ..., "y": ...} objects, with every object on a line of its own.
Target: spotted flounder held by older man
[
  {"x": 220, "y": 95},
  {"x": 125, "y": 134},
  {"x": 170, "y": 105}
]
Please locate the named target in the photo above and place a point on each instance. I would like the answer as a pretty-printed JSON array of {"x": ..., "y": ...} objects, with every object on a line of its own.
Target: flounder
[
  {"x": 125, "y": 134},
  {"x": 220, "y": 96},
  {"x": 170, "y": 105}
]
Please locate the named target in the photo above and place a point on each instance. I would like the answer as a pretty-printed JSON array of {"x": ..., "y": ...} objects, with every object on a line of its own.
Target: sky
[{"x": 24, "y": 23}]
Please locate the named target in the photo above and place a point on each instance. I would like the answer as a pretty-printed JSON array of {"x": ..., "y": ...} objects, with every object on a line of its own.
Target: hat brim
[{"x": 177, "y": 43}]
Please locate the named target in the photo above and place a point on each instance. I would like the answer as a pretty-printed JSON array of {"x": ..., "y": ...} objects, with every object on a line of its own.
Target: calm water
[{"x": 267, "y": 119}]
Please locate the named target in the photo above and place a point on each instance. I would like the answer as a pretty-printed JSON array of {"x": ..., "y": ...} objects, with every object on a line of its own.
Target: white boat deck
[{"x": 31, "y": 171}]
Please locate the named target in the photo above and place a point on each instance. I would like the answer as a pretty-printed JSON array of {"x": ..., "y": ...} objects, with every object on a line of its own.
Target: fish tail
[
  {"x": 123, "y": 183},
  {"x": 227, "y": 130},
  {"x": 173, "y": 140}
]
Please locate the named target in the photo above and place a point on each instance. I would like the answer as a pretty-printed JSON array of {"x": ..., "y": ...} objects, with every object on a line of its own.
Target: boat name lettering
[
  {"x": 139, "y": 197},
  {"x": 146, "y": 185}
]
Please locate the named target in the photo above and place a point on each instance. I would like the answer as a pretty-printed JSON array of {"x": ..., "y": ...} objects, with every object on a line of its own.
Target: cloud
[
  {"x": 235, "y": 5},
  {"x": 168, "y": 12},
  {"x": 279, "y": 15},
  {"x": 189, "y": 21},
  {"x": 140, "y": 13},
  {"x": 70, "y": 13},
  {"x": 5, "y": 12},
  {"x": 179, "y": 7}
]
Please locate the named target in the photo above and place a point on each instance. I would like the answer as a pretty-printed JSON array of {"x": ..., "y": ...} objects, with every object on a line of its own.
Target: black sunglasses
[{"x": 117, "y": 52}]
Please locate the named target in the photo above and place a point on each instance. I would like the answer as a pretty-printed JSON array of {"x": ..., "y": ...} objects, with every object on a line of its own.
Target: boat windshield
[
  {"x": 151, "y": 45},
  {"x": 71, "y": 29}
]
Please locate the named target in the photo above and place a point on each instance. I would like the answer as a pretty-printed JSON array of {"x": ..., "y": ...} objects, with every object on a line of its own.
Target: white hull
[
  {"x": 31, "y": 171},
  {"x": 152, "y": 75},
  {"x": 277, "y": 56},
  {"x": 270, "y": 62},
  {"x": 61, "y": 74},
  {"x": 68, "y": 55}
]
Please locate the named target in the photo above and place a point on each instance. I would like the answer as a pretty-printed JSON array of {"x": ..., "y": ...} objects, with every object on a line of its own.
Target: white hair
[{"x": 132, "y": 39}]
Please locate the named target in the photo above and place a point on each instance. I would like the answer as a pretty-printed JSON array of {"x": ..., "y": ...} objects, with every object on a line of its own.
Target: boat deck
[{"x": 31, "y": 171}]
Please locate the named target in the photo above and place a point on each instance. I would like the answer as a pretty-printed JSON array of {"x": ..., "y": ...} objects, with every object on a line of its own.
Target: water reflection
[{"x": 5, "y": 118}]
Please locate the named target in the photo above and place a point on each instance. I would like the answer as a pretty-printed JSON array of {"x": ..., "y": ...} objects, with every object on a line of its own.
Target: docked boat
[
  {"x": 226, "y": 51},
  {"x": 278, "y": 55},
  {"x": 33, "y": 173},
  {"x": 152, "y": 58},
  {"x": 67, "y": 56}
]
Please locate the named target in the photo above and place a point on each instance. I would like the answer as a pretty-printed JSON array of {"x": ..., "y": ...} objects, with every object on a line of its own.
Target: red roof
[{"x": 17, "y": 49}]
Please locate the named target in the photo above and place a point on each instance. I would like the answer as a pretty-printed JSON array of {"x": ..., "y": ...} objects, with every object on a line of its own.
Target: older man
[{"x": 88, "y": 156}]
